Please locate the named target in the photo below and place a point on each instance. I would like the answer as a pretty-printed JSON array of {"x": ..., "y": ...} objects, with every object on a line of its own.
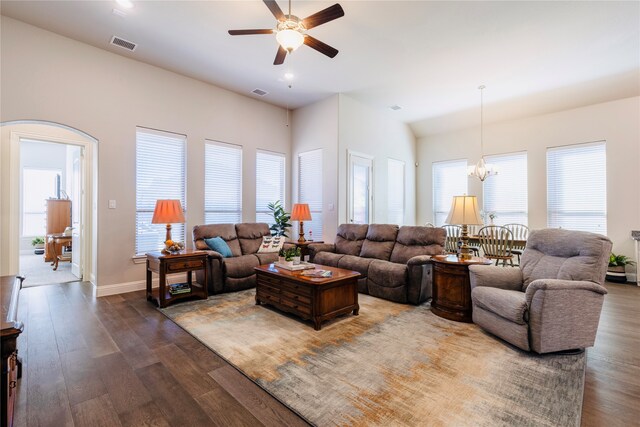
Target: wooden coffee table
[{"x": 315, "y": 299}]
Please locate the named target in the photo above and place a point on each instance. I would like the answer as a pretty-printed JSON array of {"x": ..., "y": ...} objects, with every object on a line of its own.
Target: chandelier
[{"x": 482, "y": 170}]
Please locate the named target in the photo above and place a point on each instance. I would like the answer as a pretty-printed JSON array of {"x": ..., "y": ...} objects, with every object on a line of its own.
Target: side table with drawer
[{"x": 162, "y": 264}]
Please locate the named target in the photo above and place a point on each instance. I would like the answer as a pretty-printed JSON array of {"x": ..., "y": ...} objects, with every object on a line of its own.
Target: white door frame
[
  {"x": 88, "y": 210},
  {"x": 351, "y": 156}
]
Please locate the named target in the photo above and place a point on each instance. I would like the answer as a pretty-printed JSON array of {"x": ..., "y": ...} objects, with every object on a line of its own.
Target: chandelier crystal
[{"x": 482, "y": 170}]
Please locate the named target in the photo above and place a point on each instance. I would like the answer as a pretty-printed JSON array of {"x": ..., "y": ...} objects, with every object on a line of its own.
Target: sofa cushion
[
  {"x": 226, "y": 231},
  {"x": 267, "y": 257},
  {"x": 219, "y": 245},
  {"x": 350, "y": 237},
  {"x": 240, "y": 266},
  {"x": 565, "y": 255},
  {"x": 510, "y": 305},
  {"x": 417, "y": 240},
  {"x": 355, "y": 263},
  {"x": 380, "y": 241},
  {"x": 388, "y": 274},
  {"x": 250, "y": 236},
  {"x": 327, "y": 258}
]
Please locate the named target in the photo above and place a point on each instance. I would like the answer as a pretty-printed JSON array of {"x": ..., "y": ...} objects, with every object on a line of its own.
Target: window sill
[{"x": 139, "y": 259}]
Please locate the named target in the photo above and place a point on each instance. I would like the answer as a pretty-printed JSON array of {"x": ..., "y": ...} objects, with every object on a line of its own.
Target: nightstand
[{"x": 162, "y": 264}]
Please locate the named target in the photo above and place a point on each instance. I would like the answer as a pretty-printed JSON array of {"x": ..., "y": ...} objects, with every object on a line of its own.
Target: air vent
[
  {"x": 396, "y": 107},
  {"x": 259, "y": 92},
  {"x": 125, "y": 44}
]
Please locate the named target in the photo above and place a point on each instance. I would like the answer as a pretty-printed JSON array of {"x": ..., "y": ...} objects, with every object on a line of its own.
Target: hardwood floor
[{"x": 118, "y": 361}]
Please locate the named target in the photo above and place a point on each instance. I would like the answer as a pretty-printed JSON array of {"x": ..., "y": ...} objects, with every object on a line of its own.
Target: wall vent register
[{"x": 125, "y": 44}]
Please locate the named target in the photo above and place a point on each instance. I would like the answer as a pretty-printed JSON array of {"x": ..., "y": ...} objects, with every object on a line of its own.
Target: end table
[
  {"x": 162, "y": 264},
  {"x": 304, "y": 246}
]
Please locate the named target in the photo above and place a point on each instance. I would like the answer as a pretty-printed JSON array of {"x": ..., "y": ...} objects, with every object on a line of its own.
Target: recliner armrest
[
  {"x": 419, "y": 260},
  {"x": 496, "y": 277},
  {"x": 214, "y": 254},
  {"x": 314, "y": 248},
  {"x": 558, "y": 284}
]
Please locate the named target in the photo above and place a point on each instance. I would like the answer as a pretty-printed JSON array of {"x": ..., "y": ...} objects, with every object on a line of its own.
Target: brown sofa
[
  {"x": 395, "y": 262},
  {"x": 237, "y": 272}
]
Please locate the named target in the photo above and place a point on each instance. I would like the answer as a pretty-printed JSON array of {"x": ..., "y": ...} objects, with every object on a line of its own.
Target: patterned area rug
[{"x": 393, "y": 364}]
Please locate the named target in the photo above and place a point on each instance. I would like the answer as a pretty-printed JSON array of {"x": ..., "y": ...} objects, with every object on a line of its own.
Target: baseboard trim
[{"x": 138, "y": 285}]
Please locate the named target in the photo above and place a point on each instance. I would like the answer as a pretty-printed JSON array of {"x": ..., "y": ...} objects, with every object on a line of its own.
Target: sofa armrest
[
  {"x": 214, "y": 254},
  {"x": 558, "y": 285},
  {"x": 419, "y": 260},
  {"x": 496, "y": 277},
  {"x": 314, "y": 248}
]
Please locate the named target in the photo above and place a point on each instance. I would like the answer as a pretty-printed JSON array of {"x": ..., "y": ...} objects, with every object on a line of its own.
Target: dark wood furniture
[
  {"x": 11, "y": 328},
  {"x": 186, "y": 261},
  {"x": 57, "y": 243},
  {"x": 451, "y": 295},
  {"x": 304, "y": 247},
  {"x": 315, "y": 299},
  {"x": 58, "y": 218}
]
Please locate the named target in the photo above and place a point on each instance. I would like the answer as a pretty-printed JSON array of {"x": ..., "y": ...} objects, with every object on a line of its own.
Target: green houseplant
[
  {"x": 38, "y": 245},
  {"x": 616, "y": 269},
  {"x": 281, "y": 219}
]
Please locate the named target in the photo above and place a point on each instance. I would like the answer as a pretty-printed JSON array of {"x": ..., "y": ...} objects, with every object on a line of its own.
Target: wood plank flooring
[{"x": 116, "y": 360}]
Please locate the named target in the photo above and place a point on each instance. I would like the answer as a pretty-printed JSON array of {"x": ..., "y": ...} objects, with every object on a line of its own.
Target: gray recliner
[{"x": 552, "y": 302}]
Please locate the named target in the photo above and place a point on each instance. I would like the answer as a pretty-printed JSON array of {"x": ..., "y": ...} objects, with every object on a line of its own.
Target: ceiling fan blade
[
  {"x": 275, "y": 9},
  {"x": 324, "y": 16},
  {"x": 282, "y": 53},
  {"x": 248, "y": 32},
  {"x": 321, "y": 47}
]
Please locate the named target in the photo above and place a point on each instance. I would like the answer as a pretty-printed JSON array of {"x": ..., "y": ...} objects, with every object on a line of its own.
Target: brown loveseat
[
  {"x": 237, "y": 272},
  {"x": 395, "y": 262}
]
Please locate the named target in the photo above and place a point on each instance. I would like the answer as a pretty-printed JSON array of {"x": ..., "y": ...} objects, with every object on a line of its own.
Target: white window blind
[
  {"x": 270, "y": 170},
  {"x": 577, "y": 187},
  {"x": 222, "y": 183},
  {"x": 160, "y": 174},
  {"x": 449, "y": 179},
  {"x": 38, "y": 185},
  {"x": 505, "y": 194},
  {"x": 395, "y": 191},
  {"x": 310, "y": 191}
]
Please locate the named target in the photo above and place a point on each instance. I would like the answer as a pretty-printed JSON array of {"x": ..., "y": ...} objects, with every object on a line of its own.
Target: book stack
[
  {"x": 317, "y": 273},
  {"x": 179, "y": 288}
]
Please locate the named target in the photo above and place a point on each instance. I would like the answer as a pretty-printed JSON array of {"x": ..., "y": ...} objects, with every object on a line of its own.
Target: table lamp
[
  {"x": 167, "y": 212},
  {"x": 301, "y": 213},
  {"x": 464, "y": 211}
]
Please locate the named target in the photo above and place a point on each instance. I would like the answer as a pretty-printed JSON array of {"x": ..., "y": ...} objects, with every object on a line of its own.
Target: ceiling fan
[{"x": 291, "y": 31}]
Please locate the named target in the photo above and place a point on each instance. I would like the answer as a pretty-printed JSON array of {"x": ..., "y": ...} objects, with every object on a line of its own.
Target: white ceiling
[{"x": 427, "y": 57}]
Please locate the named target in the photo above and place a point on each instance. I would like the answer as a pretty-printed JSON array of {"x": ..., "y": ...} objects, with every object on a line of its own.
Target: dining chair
[
  {"x": 474, "y": 246},
  {"x": 430, "y": 225},
  {"x": 496, "y": 242},
  {"x": 519, "y": 232},
  {"x": 453, "y": 236}
]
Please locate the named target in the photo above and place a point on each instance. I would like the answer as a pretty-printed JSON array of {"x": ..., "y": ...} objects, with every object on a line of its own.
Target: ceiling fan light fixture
[{"x": 290, "y": 39}]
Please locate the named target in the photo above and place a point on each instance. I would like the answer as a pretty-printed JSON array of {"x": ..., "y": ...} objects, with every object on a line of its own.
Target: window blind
[
  {"x": 577, "y": 187},
  {"x": 270, "y": 170},
  {"x": 505, "y": 194},
  {"x": 160, "y": 174},
  {"x": 449, "y": 179},
  {"x": 222, "y": 183},
  {"x": 395, "y": 191},
  {"x": 310, "y": 191}
]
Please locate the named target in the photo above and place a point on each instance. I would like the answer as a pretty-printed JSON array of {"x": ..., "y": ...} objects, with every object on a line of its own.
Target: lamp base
[
  {"x": 465, "y": 251},
  {"x": 301, "y": 238},
  {"x": 166, "y": 239}
]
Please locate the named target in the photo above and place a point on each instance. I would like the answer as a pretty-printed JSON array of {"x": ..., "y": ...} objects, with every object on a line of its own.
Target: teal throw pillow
[{"x": 219, "y": 245}]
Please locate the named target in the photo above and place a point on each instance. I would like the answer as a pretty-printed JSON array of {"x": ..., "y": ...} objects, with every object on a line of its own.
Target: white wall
[
  {"x": 45, "y": 76},
  {"x": 377, "y": 133},
  {"x": 616, "y": 122},
  {"x": 314, "y": 127}
]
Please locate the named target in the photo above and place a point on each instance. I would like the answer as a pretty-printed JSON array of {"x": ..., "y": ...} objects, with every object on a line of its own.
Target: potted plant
[
  {"x": 291, "y": 255},
  {"x": 38, "y": 245},
  {"x": 281, "y": 219},
  {"x": 615, "y": 271},
  {"x": 281, "y": 255}
]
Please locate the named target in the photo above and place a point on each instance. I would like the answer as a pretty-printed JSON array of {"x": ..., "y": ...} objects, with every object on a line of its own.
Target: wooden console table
[
  {"x": 451, "y": 295},
  {"x": 11, "y": 328},
  {"x": 186, "y": 261}
]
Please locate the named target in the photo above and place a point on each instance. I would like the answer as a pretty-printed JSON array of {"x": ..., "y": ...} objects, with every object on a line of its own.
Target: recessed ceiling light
[
  {"x": 127, "y": 4},
  {"x": 288, "y": 76},
  {"x": 396, "y": 107}
]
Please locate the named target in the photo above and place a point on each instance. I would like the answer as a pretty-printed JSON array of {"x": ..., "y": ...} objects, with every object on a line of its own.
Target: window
[
  {"x": 577, "y": 187},
  {"x": 449, "y": 179},
  {"x": 395, "y": 191},
  {"x": 310, "y": 190},
  {"x": 160, "y": 174},
  {"x": 505, "y": 194},
  {"x": 222, "y": 183},
  {"x": 269, "y": 183},
  {"x": 38, "y": 185}
]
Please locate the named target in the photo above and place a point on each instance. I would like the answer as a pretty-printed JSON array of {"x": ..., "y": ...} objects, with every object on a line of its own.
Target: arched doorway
[{"x": 82, "y": 167}]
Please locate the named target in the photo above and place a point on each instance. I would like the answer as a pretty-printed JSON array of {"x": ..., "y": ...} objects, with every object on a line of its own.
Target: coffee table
[{"x": 314, "y": 298}]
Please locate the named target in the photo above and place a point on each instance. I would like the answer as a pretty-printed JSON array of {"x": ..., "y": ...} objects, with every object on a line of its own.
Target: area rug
[{"x": 393, "y": 364}]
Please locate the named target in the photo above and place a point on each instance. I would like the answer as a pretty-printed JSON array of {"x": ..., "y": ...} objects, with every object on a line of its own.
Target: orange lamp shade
[
  {"x": 300, "y": 212},
  {"x": 167, "y": 212}
]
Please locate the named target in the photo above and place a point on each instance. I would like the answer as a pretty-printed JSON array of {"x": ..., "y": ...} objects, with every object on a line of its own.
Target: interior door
[
  {"x": 76, "y": 196},
  {"x": 360, "y": 188}
]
